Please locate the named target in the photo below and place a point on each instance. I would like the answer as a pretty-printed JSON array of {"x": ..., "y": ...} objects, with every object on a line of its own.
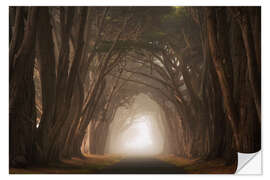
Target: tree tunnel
[
  {"x": 134, "y": 81},
  {"x": 139, "y": 128}
]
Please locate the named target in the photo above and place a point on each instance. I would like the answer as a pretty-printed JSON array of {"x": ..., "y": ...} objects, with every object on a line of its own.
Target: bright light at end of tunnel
[
  {"x": 138, "y": 138},
  {"x": 141, "y": 138}
]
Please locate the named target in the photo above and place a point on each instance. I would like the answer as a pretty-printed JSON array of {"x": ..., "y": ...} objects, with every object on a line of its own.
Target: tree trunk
[
  {"x": 22, "y": 119},
  {"x": 218, "y": 59},
  {"x": 48, "y": 80},
  {"x": 254, "y": 75}
]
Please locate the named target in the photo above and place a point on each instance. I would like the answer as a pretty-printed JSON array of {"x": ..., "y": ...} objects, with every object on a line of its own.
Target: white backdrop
[{"x": 265, "y": 80}]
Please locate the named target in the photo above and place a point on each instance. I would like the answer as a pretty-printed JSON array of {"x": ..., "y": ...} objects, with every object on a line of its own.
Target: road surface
[{"x": 141, "y": 165}]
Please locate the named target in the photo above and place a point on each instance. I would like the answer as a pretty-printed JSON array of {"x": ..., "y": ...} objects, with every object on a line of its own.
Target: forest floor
[
  {"x": 89, "y": 165},
  {"x": 198, "y": 166},
  {"x": 112, "y": 164}
]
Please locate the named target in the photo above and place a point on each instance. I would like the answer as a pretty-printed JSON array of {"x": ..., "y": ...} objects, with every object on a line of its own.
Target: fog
[{"x": 137, "y": 129}]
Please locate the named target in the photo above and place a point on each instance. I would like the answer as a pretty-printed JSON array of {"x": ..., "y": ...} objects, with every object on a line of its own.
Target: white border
[{"x": 4, "y": 76}]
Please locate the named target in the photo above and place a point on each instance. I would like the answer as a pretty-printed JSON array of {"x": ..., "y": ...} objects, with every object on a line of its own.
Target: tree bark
[
  {"x": 22, "y": 119},
  {"x": 218, "y": 58},
  {"x": 254, "y": 76},
  {"x": 48, "y": 80}
]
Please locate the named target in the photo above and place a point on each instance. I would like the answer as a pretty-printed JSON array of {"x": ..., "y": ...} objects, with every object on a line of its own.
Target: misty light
[
  {"x": 135, "y": 131},
  {"x": 138, "y": 136},
  {"x": 139, "y": 139}
]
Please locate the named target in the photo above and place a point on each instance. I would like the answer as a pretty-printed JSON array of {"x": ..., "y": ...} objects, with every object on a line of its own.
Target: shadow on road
[{"x": 141, "y": 165}]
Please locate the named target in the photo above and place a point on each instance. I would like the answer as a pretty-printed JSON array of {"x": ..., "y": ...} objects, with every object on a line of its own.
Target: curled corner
[{"x": 249, "y": 163}]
